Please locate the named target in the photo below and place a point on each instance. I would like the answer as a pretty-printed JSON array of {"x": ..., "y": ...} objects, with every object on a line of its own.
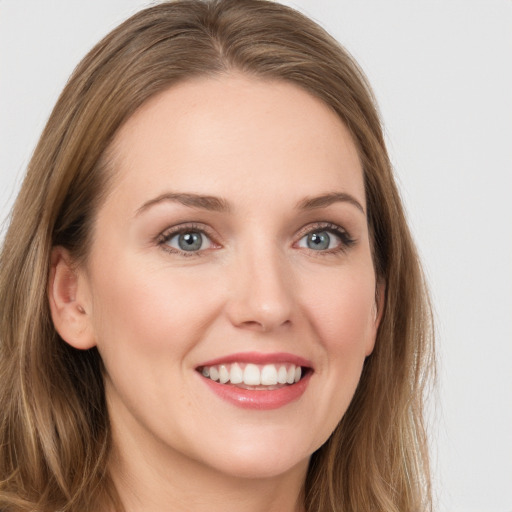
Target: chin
[
  {"x": 260, "y": 468},
  {"x": 262, "y": 456}
]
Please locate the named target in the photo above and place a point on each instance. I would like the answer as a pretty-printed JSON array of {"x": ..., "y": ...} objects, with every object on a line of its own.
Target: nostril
[
  {"x": 263, "y": 325},
  {"x": 253, "y": 324}
]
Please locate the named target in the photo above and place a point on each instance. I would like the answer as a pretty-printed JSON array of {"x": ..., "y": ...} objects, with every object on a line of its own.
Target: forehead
[{"x": 234, "y": 134}]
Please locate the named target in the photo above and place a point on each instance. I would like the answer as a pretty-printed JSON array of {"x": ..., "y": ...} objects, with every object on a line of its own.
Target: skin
[{"x": 155, "y": 314}]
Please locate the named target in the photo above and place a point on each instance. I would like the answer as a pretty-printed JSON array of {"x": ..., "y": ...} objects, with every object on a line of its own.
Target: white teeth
[
  {"x": 252, "y": 375},
  {"x": 281, "y": 375},
  {"x": 223, "y": 374},
  {"x": 214, "y": 373},
  {"x": 269, "y": 375},
  {"x": 236, "y": 375}
]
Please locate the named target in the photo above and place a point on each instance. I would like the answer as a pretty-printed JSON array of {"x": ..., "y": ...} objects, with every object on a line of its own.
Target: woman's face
[{"x": 233, "y": 245}]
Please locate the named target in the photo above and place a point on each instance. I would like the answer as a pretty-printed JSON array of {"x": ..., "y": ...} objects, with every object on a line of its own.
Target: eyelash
[
  {"x": 167, "y": 235},
  {"x": 346, "y": 241}
]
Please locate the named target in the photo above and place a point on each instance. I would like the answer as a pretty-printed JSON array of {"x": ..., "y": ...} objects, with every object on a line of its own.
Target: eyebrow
[
  {"x": 322, "y": 201},
  {"x": 216, "y": 204},
  {"x": 210, "y": 203}
]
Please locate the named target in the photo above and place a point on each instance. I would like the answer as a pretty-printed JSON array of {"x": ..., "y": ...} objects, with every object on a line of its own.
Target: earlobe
[{"x": 65, "y": 294}]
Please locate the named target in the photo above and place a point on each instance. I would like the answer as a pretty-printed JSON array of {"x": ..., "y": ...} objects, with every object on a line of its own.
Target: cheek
[
  {"x": 147, "y": 324},
  {"x": 344, "y": 307},
  {"x": 148, "y": 311},
  {"x": 342, "y": 312},
  {"x": 340, "y": 308}
]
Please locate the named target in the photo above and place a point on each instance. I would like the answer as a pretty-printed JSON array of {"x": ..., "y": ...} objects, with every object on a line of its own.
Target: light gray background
[{"x": 442, "y": 73}]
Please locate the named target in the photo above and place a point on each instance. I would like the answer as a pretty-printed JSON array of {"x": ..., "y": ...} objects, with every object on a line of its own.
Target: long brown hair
[{"x": 54, "y": 427}]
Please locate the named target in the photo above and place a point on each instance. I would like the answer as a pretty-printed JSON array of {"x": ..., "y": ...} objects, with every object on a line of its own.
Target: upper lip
[{"x": 259, "y": 358}]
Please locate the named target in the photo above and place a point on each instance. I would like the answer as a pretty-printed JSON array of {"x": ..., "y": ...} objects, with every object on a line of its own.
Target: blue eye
[
  {"x": 189, "y": 241},
  {"x": 326, "y": 237},
  {"x": 319, "y": 241}
]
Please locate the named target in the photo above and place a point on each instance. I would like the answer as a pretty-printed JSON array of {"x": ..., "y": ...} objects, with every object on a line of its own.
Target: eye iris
[
  {"x": 190, "y": 241},
  {"x": 319, "y": 240}
]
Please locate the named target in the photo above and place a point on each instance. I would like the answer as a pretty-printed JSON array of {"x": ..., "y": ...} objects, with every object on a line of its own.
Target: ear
[
  {"x": 377, "y": 313},
  {"x": 67, "y": 295}
]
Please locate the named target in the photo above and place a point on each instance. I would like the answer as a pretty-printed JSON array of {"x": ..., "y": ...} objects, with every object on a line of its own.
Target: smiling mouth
[{"x": 255, "y": 376}]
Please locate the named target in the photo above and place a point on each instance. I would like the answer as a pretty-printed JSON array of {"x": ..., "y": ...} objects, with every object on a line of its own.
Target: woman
[{"x": 209, "y": 294}]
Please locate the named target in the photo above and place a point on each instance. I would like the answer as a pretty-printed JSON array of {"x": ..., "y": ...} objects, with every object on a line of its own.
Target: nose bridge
[{"x": 261, "y": 295}]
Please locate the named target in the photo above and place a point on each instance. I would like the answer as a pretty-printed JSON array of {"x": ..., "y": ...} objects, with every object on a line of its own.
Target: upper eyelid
[
  {"x": 183, "y": 228},
  {"x": 325, "y": 225},
  {"x": 199, "y": 226}
]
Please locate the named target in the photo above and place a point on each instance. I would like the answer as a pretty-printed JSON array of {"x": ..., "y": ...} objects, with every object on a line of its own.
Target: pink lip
[
  {"x": 259, "y": 399},
  {"x": 259, "y": 358}
]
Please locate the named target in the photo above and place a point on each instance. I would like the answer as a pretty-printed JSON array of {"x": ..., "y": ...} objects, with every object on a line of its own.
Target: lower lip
[{"x": 259, "y": 399}]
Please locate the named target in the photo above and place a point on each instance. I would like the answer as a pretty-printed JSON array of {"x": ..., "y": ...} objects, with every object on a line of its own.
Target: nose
[{"x": 261, "y": 291}]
